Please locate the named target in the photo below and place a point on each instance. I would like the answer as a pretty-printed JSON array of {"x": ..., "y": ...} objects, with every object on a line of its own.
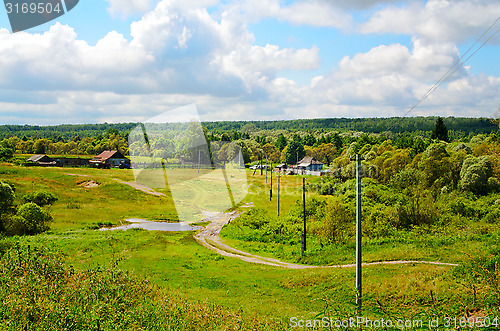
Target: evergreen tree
[
  {"x": 295, "y": 150},
  {"x": 309, "y": 140},
  {"x": 281, "y": 142},
  {"x": 440, "y": 131}
]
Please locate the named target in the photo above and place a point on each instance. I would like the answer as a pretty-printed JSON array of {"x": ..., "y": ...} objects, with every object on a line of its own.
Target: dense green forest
[
  {"x": 279, "y": 141},
  {"x": 66, "y": 132}
]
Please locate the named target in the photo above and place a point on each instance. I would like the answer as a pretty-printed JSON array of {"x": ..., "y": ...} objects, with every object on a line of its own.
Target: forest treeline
[
  {"x": 66, "y": 132},
  {"x": 279, "y": 141}
]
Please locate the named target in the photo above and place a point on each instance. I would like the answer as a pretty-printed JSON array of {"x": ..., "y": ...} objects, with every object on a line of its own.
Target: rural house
[
  {"x": 280, "y": 168},
  {"x": 40, "y": 160},
  {"x": 309, "y": 163},
  {"x": 109, "y": 159}
]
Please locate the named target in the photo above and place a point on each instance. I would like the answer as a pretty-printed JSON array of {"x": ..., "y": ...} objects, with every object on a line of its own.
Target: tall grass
[{"x": 40, "y": 292}]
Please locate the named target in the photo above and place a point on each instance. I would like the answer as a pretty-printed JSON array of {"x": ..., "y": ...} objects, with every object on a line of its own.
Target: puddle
[{"x": 137, "y": 223}]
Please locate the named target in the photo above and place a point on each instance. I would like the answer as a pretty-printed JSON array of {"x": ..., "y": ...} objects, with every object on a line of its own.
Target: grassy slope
[{"x": 179, "y": 264}]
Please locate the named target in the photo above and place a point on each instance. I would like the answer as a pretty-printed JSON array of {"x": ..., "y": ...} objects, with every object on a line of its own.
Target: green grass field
[{"x": 263, "y": 297}]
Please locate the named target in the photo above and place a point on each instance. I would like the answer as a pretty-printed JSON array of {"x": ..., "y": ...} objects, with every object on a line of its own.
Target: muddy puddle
[{"x": 137, "y": 223}]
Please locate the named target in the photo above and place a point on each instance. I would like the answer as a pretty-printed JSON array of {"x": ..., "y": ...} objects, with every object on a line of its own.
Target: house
[
  {"x": 280, "y": 168},
  {"x": 40, "y": 160},
  {"x": 309, "y": 163},
  {"x": 109, "y": 159}
]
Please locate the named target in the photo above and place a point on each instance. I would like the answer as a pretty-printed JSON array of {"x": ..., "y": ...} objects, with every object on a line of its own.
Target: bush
[
  {"x": 337, "y": 225},
  {"x": 255, "y": 218},
  {"x": 29, "y": 220},
  {"x": 6, "y": 197},
  {"x": 6, "y": 153},
  {"x": 493, "y": 216},
  {"x": 475, "y": 174},
  {"x": 41, "y": 198},
  {"x": 379, "y": 222}
]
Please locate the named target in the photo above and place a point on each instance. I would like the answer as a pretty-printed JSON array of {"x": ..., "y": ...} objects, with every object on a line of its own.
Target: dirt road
[{"x": 209, "y": 237}]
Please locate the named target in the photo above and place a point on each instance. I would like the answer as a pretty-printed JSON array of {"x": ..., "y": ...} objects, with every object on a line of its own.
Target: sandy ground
[
  {"x": 90, "y": 184},
  {"x": 209, "y": 237}
]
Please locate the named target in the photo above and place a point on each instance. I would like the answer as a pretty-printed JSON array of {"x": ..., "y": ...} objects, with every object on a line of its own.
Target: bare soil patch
[{"x": 89, "y": 184}]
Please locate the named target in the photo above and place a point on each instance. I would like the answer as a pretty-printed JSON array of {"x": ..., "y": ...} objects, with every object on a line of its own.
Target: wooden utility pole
[
  {"x": 199, "y": 159},
  {"x": 271, "y": 187},
  {"x": 266, "y": 168},
  {"x": 260, "y": 156},
  {"x": 358, "y": 232},
  {"x": 279, "y": 195},
  {"x": 304, "y": 215}
]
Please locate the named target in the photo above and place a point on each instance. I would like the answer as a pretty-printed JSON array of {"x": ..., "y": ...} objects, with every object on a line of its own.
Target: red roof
[{"x": 107, "y": 155}]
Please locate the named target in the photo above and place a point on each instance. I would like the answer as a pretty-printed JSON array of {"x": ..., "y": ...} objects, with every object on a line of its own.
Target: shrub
[
  {"x": 255, "y": 218},
  {"x": 41, "y": 198},
  {"x": 6, "y": 153},
  {"x": 6, "y": 197},
  {"x": 435, "y": 163},
  {"x": 475, "y": 174},
  {"x": 29, "y": 220},
  {"x": 379, "y": 222},
  {"x": 462, "y": 147},
  {"x": 337, "y": 226},
  {"x": 493, "y": 216}
]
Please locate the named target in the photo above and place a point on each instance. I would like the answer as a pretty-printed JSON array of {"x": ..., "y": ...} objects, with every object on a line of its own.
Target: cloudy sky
[{"x": 128, "y": 60}]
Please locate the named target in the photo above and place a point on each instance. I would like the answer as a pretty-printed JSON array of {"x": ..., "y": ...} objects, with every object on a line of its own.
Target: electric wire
[{"x": 457, "y": 65}]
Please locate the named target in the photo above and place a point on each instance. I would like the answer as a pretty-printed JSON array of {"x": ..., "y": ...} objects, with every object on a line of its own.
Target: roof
[
  {"x": 39, "y": 157},
  {"x": 307, "y": 161},
  {"x": 106, "y": 155}
]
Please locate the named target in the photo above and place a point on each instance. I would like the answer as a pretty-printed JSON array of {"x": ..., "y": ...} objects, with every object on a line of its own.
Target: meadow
[{"x": 159, "y": 280}]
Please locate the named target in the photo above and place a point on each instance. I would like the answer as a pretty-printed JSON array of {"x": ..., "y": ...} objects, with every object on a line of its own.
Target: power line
[{"x": 453, "y": 68}]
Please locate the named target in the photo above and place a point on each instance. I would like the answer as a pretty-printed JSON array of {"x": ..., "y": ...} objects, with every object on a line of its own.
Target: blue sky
[{"x": 129, "y": 60}]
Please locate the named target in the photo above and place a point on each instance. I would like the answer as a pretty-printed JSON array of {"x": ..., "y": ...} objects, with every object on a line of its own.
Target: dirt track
[
  {"x": 209, "y": 237},
  {"x": 143, "y": 188}
]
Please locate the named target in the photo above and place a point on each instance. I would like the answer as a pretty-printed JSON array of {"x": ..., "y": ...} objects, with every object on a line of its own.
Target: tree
[
  {"x": 6, "y": 153},
  {"x": 6, "y": 197},
  {"x": 273, "y": 154},
  {"x": 337, "y": 141},
  {"x": 325, "y": 153},
  {"x": 440, "y": 131},
  {"x": 434, "y": 163},
  {"x": 281, "y": 142},
  {"x": 309, "y": 140},
  {"x": 475, "y": 173},
  {"x": 294, "y": 151},
  {"x": 394, "y": 162},
  {"x": 228, "y": 152},
  {"x": 29, "y": 220}
]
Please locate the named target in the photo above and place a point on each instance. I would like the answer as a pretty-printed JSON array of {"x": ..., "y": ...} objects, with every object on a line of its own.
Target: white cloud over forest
[{"x": 180, "y": 53}]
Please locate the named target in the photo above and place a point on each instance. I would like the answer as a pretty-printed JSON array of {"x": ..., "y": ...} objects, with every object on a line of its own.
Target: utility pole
[
  {"x": 260, "y": 156},
  {"x": 271, "y": 187},
  {"x": 266, "y": 168},
  {"x": 304, "y": 215},
  {"x": 199, "y": 159},
  {"x": 358, "y": 232},
  {"x": 279, "y": 195}
]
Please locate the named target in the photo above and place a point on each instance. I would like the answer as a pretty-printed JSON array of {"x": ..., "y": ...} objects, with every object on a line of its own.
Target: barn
[
  {"x": 109, "y": 159},
  {"x": 40, "y": 160}
]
